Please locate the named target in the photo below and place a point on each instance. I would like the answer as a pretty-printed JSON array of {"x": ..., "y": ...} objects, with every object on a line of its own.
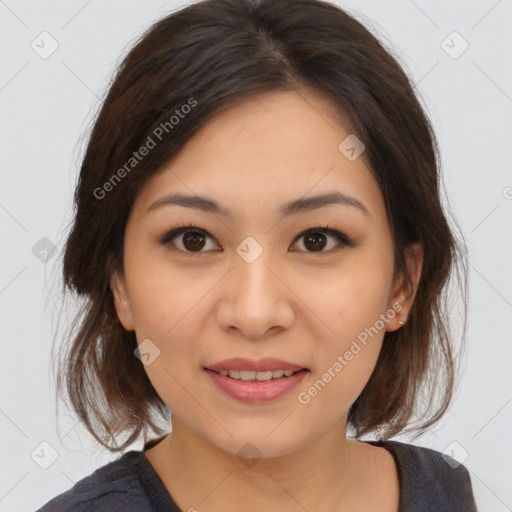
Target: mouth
[
  {"x": 253, "y": 376},
  {"x": 256, "y": 387},
  {"x": 261, "y": 370}
]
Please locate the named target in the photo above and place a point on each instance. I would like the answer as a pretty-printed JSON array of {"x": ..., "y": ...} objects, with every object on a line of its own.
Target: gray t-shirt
[{"x": 428, "y": 483}]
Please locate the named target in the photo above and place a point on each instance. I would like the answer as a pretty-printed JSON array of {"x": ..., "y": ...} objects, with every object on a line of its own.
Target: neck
[{"x": 200, "y": 475}]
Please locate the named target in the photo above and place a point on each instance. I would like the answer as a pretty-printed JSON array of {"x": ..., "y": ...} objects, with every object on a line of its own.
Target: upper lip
[{"x": 261, "y": 365}]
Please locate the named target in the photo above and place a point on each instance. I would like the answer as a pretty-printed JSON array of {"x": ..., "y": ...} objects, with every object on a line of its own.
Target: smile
[
  {"x": 249, "y": 386},
  {"x": 246, "y": 375}
]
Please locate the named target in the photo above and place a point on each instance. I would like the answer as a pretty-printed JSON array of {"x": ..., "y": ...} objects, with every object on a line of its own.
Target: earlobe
[
  {"x": 121, "y": 300},
  {"x": 404, "y": 295}
]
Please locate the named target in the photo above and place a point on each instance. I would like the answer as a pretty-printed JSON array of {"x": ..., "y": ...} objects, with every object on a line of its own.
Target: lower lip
[{"x": 256, "y": 392}]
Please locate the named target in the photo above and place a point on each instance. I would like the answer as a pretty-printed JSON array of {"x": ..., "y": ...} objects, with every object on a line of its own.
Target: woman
[{"x": 263, "y": 253}]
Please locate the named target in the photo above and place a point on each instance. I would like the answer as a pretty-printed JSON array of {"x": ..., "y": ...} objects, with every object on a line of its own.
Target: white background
[{"x": 46, "y": 105}]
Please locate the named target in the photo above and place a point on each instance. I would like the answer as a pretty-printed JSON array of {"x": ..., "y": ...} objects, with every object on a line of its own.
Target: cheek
[
  {"x": 172, "y": 319},
  {"x": 350, "y": 304},
  {"x": 168, "y": 313},
  {"x": 347, "y": 301},
  {"x": 346, "y": 357},
  {"x": 162, "y": 294}
]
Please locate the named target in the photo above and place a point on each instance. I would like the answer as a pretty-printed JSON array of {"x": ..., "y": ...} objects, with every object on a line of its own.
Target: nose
[{"x": 255, "y": 299}]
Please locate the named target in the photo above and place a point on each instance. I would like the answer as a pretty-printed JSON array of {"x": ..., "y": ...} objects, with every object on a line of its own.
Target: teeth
[{"x": 260, "y": 376}]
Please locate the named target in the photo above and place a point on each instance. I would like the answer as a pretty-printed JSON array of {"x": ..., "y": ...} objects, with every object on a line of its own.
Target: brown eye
[
  {"x": 187, "y": 239},
  {"x": 194, "y": 240},
  {"x": 316, "y": 240}
]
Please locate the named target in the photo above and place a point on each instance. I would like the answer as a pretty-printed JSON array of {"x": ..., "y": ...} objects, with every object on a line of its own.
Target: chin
[{"x": 250, "y": 448}]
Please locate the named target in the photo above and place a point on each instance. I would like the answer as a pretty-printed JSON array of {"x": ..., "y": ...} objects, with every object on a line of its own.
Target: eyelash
[{"x": 182, "y": 228}]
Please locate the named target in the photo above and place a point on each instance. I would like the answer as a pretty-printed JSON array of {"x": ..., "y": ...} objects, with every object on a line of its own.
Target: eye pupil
[
  {"x": 314, "y": 238},
  {"x": 193, "y": 237}
]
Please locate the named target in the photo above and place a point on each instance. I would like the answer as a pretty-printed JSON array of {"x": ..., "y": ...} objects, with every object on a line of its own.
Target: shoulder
[
  {"x": 431, "y": 478},
  {"x": 112, "y": 487}
]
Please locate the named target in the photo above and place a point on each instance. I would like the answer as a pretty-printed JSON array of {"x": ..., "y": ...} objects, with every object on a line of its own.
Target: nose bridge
[
  {"x": 252, "y": 268},
  {"x": 255, "y": 299}
]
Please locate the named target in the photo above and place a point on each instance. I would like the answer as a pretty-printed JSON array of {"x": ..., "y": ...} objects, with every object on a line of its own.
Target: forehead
[{"x": 267, "y": 151}]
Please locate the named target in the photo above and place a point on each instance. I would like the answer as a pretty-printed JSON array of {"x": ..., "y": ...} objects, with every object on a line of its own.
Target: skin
[{"x": 292, "y": 303}]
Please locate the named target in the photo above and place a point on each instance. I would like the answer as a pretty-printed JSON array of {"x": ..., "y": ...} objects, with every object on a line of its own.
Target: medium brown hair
[{"x": 219, "y": 53}]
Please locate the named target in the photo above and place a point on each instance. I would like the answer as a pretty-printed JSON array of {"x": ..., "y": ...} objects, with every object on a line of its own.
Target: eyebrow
[{"x": 301, "y": 205}]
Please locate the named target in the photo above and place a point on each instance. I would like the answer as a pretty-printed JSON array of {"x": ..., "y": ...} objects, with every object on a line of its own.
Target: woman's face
[{"x": 253, "y": 283}]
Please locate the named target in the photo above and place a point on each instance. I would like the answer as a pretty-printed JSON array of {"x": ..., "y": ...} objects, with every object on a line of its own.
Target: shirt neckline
[
  {"x": 393, "y": 447},
  {"x": 158, "y": 495},
  {"x": 162, "y": 501}
]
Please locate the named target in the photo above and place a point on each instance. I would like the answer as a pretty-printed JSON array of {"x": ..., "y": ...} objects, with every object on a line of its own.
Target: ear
[
  {"x": 404, "y": 295},
  {"x": 121, "y": 300}
]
